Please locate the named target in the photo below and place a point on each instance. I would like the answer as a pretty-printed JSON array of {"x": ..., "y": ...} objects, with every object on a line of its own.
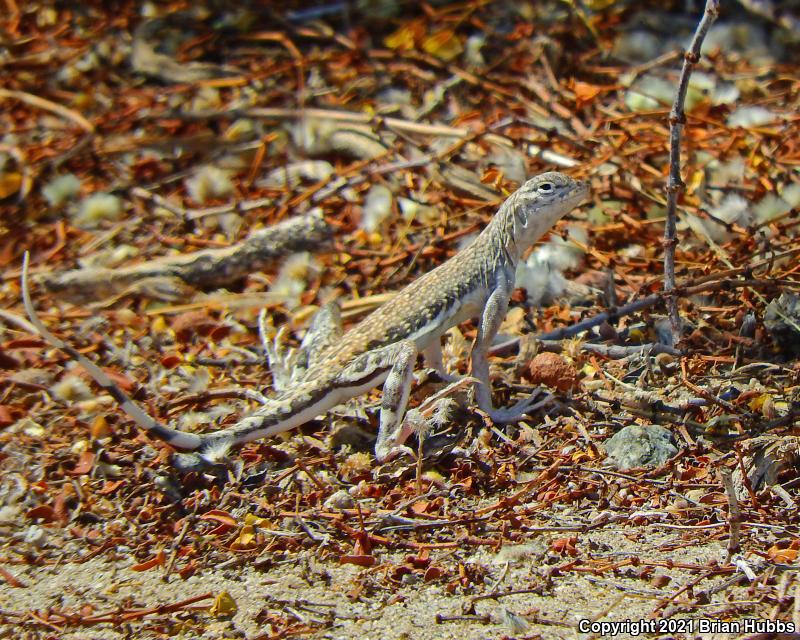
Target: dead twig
[
  {"x": 211, "y": 267},
  {"x": 49, "y": 105},
  {"x": 677, "y": 120},
  {"x": 734, "y": 514}
]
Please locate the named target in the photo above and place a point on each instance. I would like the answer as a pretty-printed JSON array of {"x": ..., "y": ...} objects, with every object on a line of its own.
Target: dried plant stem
[
  {"x": 48, "y": 105},
  {"x": 734, "y": 513},
  {"x": 677, "y": 119}
]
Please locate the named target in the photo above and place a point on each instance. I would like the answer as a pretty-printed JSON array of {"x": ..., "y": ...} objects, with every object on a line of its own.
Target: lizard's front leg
[{"x": 493, "y": 314}]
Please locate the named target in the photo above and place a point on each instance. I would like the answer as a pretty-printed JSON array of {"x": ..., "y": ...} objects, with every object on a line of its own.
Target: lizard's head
[{"x": 540, "y": 203}]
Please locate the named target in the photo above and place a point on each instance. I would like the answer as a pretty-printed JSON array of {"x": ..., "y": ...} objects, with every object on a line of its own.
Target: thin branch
[
  {"x": 48, "y": 105},
  {"x": 677, "y": 119},
  {"x": 734, "y": 514}
]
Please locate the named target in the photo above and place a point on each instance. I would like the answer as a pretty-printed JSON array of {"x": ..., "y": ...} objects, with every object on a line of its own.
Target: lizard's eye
[{"x": 546, "y": 187}]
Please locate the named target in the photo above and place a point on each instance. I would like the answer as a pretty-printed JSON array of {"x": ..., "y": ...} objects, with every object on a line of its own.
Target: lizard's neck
[{"x": 501, "y": 236}]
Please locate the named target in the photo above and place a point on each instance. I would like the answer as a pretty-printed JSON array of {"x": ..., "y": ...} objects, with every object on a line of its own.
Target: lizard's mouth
[{"x": 583, "y": 192}]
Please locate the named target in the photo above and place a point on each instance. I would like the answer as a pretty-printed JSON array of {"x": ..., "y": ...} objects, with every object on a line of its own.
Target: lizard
[{"x": 335, "y": 366}]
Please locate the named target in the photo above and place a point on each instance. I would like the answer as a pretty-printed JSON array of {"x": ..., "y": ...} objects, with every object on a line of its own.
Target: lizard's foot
[
  {"x": 284, "y": 363},
  {"x": 395, "y": 451},
  {"x": 435, "y": 376},
  {"x": 517, "y": 411},
  {"x": 449, "y": 378}
]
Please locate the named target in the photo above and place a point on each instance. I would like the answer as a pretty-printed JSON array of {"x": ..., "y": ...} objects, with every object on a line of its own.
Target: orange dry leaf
[
  {"x": 360, "y": 560},
  {"x": 433, "y": 573},
  {"x": 581, "y": 456},
  {"x": 43, "y": 512},
  {"x": 84, "y": 465},
  {"x": 223, "y": 517},
  {"x": 6, "y": 418},
  {"x": 491, "y": 176},
  {"x": 170, "y": 361},
  {"x": 245, "y": 539},
  {"x": 585, "y": 93},
  {"x": 694, "y": 473},
  {"x": 155, "y": 561},
  {"x": 11, "y": 579},
  {"x": 9, "y": 183},
  {"x": 565, "y": 546},
  {"x": 220, "y": 516},
  {"x": 99, "y": 428},
  {"x": 110, "y": 487},
  {"x": 785, "y": 555}
]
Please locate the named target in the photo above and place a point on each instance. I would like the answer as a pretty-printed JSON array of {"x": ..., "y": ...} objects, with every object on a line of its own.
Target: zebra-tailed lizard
[{"x": 332, "y": 367}]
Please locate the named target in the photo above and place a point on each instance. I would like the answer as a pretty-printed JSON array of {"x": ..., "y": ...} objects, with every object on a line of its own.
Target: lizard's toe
[{"x": 519, "y": 410}]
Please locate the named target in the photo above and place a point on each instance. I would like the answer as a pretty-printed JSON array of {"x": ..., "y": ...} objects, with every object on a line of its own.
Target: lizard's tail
[{"x": 178, "y": 439}]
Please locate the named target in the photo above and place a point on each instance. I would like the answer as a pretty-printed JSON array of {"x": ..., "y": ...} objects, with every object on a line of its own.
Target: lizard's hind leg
[
  {"x": 289, "y": 365},
  {"x": 394, "y": 364},
  {"x": 280, "y": 359},
  {"x": 324, "y": 330}
]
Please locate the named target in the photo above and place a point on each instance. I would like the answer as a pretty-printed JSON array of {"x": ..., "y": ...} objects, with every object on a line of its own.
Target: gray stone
[{"x": 640, "y": 446}]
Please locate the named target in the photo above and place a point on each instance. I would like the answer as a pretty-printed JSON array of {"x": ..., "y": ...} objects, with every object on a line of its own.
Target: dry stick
[
  {"x": 176, "y": 548},
  {"x": 677, "y": 119},
  {"x": 48, "y": 105},
  {"x": 365, "y": 120},
  {"x": 613, "y": 313}
]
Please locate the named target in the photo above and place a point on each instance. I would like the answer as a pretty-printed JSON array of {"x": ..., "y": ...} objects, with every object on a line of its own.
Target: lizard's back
[{"x": 455, "y": 290}]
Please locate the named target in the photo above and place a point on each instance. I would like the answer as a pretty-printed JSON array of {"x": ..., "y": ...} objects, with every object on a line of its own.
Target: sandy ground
[{"x": 321, "y": 595}]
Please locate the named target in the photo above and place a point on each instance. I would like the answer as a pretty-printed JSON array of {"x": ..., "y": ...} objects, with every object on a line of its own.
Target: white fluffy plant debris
[
  {"x": 652, "y": 92},
  {"x": 377, "y": 208},
  {"x": 510, "y": 161},
  {"x": 292, "y": 174},
  {"x": 293, "y": 277},
  {"x": 771, "y": 207},
  {"x": 751, "y": 116},
  {"x": 472, "y": 51},
  {"x": 109, "y": 258},
  {"x": 542, "y": 274},
  {"x": 241, "y": 130},
  {"x": 209, "y": 182},
  {"x": 414, "y": 210},
  {"x": 96, "y": 208},
  {"x": 791, "y": 194},
  {"x": 734, "y": 209},
  {"x": 723, "y": 173},
  {"x": 71, "y": 388},
  {"x": 319, "y": 136},
  {"x": 60, "y": 189}
]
